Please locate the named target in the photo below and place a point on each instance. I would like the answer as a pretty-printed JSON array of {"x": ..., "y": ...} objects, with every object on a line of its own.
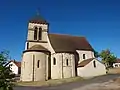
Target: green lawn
[{"x": 49, "y": 82}]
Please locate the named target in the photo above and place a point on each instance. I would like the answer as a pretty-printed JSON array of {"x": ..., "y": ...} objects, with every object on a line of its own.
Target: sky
[{"x": 97, "y": 20}]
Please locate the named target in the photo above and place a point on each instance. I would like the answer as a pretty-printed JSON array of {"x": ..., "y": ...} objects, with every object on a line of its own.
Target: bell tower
[{"x": 37, "y": 30}]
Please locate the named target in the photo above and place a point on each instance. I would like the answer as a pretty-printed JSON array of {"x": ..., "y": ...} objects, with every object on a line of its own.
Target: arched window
[
  {"x": 40, "y": 33},
  {"x": 84, "y": 56},
  {"x": 67, "y": 63},
  {"x": 35, "y": 33},
  {"x": 54, "y": 61},
  {"x": 94, "y": 63},
  {"x": 38, "y": 63}
]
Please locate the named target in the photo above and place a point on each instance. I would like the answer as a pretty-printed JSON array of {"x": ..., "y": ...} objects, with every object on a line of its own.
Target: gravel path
[{"x": 97, "y": 83}]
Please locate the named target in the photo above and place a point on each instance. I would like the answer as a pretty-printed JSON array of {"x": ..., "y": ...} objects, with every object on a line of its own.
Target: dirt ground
[
  {"x": 112, "y": 84},
  {"x": 105, "y": 82},
  {"x": 109, "y": 85}
]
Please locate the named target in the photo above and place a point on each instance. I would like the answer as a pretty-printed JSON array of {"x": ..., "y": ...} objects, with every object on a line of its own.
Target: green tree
[
  {"x": 96, "y": 54},
  {"x": 6, "y": 76},
  {"x": 107, "y": 57}
]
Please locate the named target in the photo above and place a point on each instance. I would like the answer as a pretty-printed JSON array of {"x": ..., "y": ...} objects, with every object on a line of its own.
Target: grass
[{"x": 49, "y": 82}]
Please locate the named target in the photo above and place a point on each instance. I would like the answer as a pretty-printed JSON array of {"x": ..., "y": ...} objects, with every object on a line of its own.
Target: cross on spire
[
  {"x": 37, "y": 12},
  {"x": 38, "y": 18}
]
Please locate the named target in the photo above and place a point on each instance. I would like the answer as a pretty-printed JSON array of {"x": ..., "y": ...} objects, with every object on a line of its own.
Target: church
[{"x": 56, "y": 56}]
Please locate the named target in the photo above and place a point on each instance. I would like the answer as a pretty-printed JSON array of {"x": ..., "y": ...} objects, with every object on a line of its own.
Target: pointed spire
[{"x": 38, "y": 18}]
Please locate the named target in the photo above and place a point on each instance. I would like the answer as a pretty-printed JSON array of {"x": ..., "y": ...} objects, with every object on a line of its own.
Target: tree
[
  {"x": 107, "y": 57},
  {"x": 6, "y": 76},
  {"x": 96, "y": 54}
]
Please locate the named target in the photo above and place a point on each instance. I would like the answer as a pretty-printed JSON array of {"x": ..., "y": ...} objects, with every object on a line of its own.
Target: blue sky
[{"x": 97, "y": 20}]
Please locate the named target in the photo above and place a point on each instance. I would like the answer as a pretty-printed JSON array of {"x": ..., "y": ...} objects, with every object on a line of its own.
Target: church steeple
[
  {"x": 38, "y": 19},
  {"x": 37, "y": 30}
]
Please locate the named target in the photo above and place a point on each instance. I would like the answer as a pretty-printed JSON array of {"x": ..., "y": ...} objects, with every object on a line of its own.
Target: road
[{"x": 75, "y": 85}]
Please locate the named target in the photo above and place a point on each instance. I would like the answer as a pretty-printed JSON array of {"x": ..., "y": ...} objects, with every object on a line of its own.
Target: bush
[{"x": 6, "y": 76}]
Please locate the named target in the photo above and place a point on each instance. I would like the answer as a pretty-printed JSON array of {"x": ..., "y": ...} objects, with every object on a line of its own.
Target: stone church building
[{"x": 55, "y": 56}]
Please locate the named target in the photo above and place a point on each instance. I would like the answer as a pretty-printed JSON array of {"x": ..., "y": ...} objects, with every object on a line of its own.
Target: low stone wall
[{"x": 114, "y": 71}]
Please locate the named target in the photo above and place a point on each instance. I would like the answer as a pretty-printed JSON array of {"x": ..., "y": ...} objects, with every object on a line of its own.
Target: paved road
[{"x": 72, "y": 86}]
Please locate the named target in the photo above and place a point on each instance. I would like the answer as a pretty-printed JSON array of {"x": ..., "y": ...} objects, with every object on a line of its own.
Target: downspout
[
  {"x": 62, "y": 66},
  {"x": 49, "y": 66},
  {"x": 33, "y": 67},
  {"x": 45, "y": 67}
]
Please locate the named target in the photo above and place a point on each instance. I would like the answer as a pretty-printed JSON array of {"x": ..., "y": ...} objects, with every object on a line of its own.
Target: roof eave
[
  {"x": 35, "y": 51},
  {"x": 38, "y": 22}
]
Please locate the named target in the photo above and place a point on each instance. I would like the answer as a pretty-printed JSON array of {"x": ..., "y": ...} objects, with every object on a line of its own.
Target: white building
[
  {"x": 117, "y": 64},
  {"x": 53, "y": 56},
  {"x": 15, "y": 66},
  {"x": 91, "y": 67}
]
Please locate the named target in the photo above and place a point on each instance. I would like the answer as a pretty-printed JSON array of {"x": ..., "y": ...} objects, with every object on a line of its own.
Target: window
[
  {"x": 40, "y": 33},
  {"x": 116, "y": 65},
  {"x": 27, "y": 45},
  {"x": 38, "y": 64},
  {"x": 84, "y": 56},
  {"x": 19, "y": 70},
  {"x": 67, "y": 62},
  {"x": 54, "y": 61},
  {"x": 94, "y": 63},
  {"x": 35, "y": 33}
]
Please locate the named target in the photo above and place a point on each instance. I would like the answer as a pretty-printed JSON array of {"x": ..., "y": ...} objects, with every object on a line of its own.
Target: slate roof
[
  {"x": 85, "y": 62},
  {"x": 67, "y": 43},
  {"x": 36, "y": 48},
  {"x": 38, "y": 19}
]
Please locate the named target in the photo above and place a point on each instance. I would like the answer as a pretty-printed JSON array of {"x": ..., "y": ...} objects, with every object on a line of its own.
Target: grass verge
[{"x": 49, "y": 82}]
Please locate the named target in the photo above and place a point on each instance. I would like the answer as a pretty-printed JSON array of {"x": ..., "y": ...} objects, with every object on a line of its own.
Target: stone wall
[
  {"x": 30, "y": 70},
  {"x": 88, "y": 54},
  {"x": 89, "y": 70},
  {"x": 61, "y": 69},
  {"x": 31, "y": 27}
]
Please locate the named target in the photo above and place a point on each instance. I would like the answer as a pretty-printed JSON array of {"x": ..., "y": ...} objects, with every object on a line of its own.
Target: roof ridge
[
  {"x": 85, "y": 62},
  {"x": 66, "y": 35}
]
